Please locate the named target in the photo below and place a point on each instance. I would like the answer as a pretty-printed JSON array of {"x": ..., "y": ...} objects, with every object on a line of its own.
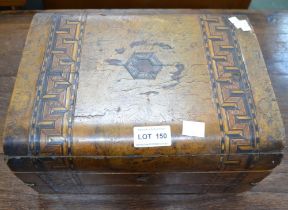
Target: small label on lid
[
  {"x": 240, "y": 24},
  {"x": 192, "y": 128}
]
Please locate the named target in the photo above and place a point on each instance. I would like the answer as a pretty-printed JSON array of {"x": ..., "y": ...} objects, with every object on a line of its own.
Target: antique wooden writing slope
[{"x": 93, "y": 84}]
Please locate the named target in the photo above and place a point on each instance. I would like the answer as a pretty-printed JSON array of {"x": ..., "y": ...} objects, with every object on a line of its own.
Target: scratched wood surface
[{"x": 272, "y": 193}]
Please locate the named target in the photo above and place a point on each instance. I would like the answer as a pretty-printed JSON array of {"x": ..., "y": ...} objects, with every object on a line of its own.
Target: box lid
[{"x": 87, "y": 78}]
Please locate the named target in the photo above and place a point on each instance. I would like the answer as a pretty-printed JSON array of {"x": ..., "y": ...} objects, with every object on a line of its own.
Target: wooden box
[{"x": 142, "y": 101}]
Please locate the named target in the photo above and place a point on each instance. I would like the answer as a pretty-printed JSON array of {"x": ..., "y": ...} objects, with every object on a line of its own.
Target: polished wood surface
[{"x": 271, "y": 193}]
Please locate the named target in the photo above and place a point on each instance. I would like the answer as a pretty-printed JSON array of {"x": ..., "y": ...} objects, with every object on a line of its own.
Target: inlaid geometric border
[
  {"x": 231, "y": 92},
  {"x": 57, "y": 84}
]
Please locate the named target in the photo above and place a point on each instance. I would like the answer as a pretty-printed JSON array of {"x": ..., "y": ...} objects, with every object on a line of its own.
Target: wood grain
[{"x": 272, "y": 193}]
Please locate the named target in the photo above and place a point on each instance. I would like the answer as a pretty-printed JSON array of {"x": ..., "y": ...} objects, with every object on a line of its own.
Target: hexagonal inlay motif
[{"x": 143, "y": 65}]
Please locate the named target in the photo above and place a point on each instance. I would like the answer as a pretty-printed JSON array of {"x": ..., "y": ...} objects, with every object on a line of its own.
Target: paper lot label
[
  {"x": 192, "y": 128},
  {"x": 152, "y": 136}
]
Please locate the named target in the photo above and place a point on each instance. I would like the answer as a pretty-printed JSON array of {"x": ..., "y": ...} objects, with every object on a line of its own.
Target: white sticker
[
  {"x": 245, "y": 26},
  {"x": 152, "y": 136},
  {"x": 235, "y": 21},
  {"x": 192, "y": 128},
  {"x": 242, "y": 24}
]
